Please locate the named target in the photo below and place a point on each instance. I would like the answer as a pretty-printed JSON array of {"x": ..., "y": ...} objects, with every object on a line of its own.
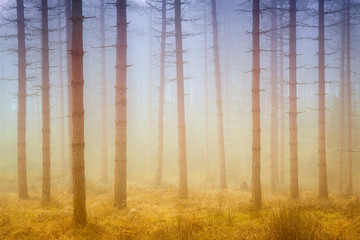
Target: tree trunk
[
  {"x": 78, "y": 144},
  {"x": 183, "y": 186},
  {"x": 256, "y": 128},
  {"x": 104, "y": 150},
  {"x": 160, "y": 152},
  {"x": 220, "y": 120},
  {"x": 206, "y": 73},
  {"x": 21, "y": 131},
  {"x": 294, "y": 185},
  {"x": 150, "y": 89},
  {"x": 121, "y": 103},
  {"x": 274, "y": 100},
  {"x": 349, "y": 97},
  {"x": 282, "y": 99},
  {"x": 323, "y": 187},
  {"x": 45, "y": 88}
]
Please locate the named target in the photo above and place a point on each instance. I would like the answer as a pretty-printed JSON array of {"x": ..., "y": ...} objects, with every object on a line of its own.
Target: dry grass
[{"x": 158, "y": 214}]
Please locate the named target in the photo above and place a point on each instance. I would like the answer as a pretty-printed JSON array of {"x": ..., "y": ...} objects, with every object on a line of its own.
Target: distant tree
[
  {"x": 349, "y": 98},
  {"x": 220, "y": 120},
  {"x": 121, "y": 105},
  {"x": 21, "y": 132},
  {"x": 342, "y": 94},
  {"x": 45, "y": 87},
  {"x": 78, "y": 144},
  {"x": 256, "y": 128}
]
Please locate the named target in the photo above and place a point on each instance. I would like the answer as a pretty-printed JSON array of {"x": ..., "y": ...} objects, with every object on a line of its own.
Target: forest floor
[{"x": 158, "y": 214}]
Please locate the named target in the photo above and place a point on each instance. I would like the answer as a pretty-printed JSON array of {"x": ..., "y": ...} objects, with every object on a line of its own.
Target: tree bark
[
  {"x": 323, "y": 187},
  {"x": 220, "y": 120},
  {"x": 183, "y": 186},
  {"x": 78, "y": 144},
  {"x": 294, "y": 185},
  {"x": 256, "y": 128},
  {"x": 160, "y": 150},
  {"x": 45, "y": 88},
  {"x": 121, "y": 105},
  {"x": 21, "y": 128},
  {"x": 349, "y": 99}
]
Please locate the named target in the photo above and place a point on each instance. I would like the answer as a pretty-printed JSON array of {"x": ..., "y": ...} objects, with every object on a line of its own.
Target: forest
[{"x": 179, "y": 119}]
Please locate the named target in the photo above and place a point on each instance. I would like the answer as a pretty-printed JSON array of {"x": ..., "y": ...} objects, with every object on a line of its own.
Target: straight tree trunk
[
  {"x": 274, "y": 145},
  {"x": 323, "y": 187},
  {"x": 21, "y": 128},
  {"x": 78, "y": 143},
  {"x": 342, "y": 96},
  {"x": 349, "y": 98},
  {"x": 256, "y": 128},
  {"x": 183, "y": 186},
  {"x": 160, "y": 152},
  {"x": 104, "y": 149},
  {"x": 45, "y": 88},
  {"x": 220, "y": 120},
  {"x": 206, "y": 73},
  {"x": 294, "y": 185},
  {"x": 121, "y": 105},
  {"x": 282, "y": 99},
  {"x": 150, "y": 110}
]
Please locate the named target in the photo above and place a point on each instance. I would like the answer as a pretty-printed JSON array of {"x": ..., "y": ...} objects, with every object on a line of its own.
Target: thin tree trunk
[
  {"x": 21, "y": 131},
  {"x": 220, "y": 120},
  {"x": 104, "y": 149},
  {"x": 342, "y": 96},
  {"x": 160, "y": 152},
  {"x": 45, "y": 88},
  {"x": 323, "y": 187},
  {"x": 121, "y": 104},
  {"x": 294, "y": 185},
  {"x": 78, "y": 143},
  {"x": 282, "y": 100},
  {"x": 206, "y": 72},
  {"x": 183, "y": 186},
  {"x": 274, "y": 100},
  {"x": 349, "y": 98},
  {"x": 256, "y": 128},
  {"x": 150, "y": 89}
]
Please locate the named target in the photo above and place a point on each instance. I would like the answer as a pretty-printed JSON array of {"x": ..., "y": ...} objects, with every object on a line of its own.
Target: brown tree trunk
[
  {"x": 45, "y": 88},
  {"x": 220, "y": 120},
  {"x": 256, "y": 128},
  {"x": 104, "y": 150},
  {"x": 274, "y": 100},
  {"x": 78, "y": 144},
  {"x": 349, "y": 98},
  {"x": 21, "y": 129},
  {"x": 294, "y": 185},
  {"x": 183, "y": 186},
  {"x": 206, "y": 73},
  {"x": 160, "y": 152},
  {"x": 323, "y": 187},
  {"x": 282, "y": 99},
  {"x": 120, "y": 104}
]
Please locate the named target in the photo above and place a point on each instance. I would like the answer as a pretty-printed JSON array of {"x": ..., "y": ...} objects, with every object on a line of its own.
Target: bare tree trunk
[
  {"x": 183, "y": 186},
  {"x": 342, "y": 96},
  {"x": 282, "y": 100},
  {"x": 78, "y": 143},
  {"x": 220, "y": 120},
  {"x": 160, "y": 152},
  {"x": 104, "y": 150},
  {"x": 150, "y": 89},
  {"x": 45, "y": 88},
  {"x": 274, "y": 100},
  {"x": 21, "y": 131},
  {"x": 206, "y": 72},
  {"x": 323, "y": 187},
  {"x": 349, "y": 98},
  {"x": 256, "y": 128},
  {"x": 61, "y": 82},
  {"x": 294, "y": 185},
  {"x": 121, "y": 105}
]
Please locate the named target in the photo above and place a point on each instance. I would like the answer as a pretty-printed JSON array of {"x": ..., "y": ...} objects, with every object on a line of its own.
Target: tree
[
  {"x": 104, "y": 152},
  {"x": 78, "y": 144},
  {"x": 21, "y": 131},
  {"x": 256, "y": 128},
  {"x": 160, "y": 150},
  {"x": 220, "y": 120},
  {"x": 274, "y": 99},
  {"x": 294, "y": 185},
  {"x": 120, "y": 105},
  {"x": 206, "y": 73},
  {"x": 323, "y": 188},
  {"x": 349, "y": 107},
  {"x": 183, "y": 186},
  {"x": 342, "y": 94},
  {"x": 45, "y": 87}
]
